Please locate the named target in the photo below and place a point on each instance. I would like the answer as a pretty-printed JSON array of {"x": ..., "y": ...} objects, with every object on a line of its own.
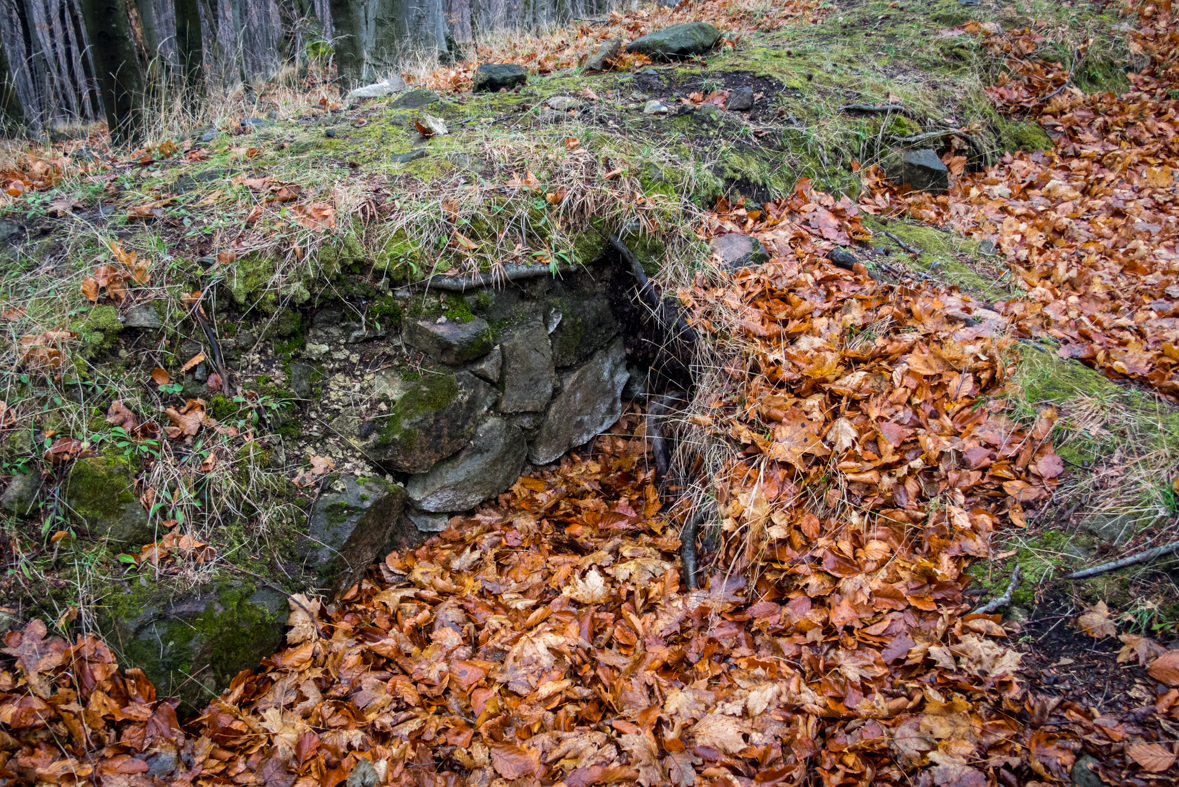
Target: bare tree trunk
[
  {"x": 117, "y": 68},
  {"x": 190, "y": 51},
  {"x": 12, "y": 116}
]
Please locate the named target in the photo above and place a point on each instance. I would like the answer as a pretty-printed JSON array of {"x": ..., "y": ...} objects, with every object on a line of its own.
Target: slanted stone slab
[
  {"x": 350, "y": 528},
  {"x": 687, "y": 39},
  {"x": 415, "y": 99},
  {"x": 920, "y": 170},
  {"x": 739, "y": 251},
  {"x": 527, "y": 368},
  {"x": 589, "y": 402},
  {"x": 448, "y": 341},
  {"x": 607, "y": 52},
  {"x": 486, "y": 467},
  {"x": 386, "y": 87},
  {"x": 491, "y": 77},
  {"x": 435, "y": 417}
]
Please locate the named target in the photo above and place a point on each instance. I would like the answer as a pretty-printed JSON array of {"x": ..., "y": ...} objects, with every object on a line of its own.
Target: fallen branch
[
  {"x": 904, "y": 246},
  {"x": 511, "y": 272},
  {"x": 1003, "y": 600},
  {"x": 900, "y": 109},
  {"x": 1141, "y": 557}
]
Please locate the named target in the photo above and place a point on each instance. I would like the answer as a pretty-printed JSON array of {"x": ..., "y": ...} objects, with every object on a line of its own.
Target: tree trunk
[
  {"x": 372, "y": 37},
  {"x": 12, "y": 117},
  {"x": 117, "y": 68},
  {"x": 190, "y": 51},
  {"x": 347, "y": 20}
]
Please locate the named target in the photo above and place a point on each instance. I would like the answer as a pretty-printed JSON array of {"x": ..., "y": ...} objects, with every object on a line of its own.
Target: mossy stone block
[
  {"x": 100, "y": 494},
  {"x": 191, "y": 643},
  {"x": 449, "y": 341}
]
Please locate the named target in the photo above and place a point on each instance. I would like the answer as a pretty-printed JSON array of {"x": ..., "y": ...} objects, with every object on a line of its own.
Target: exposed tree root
[
  {"x": 1003, "y": 600},
  {"x": 511, "y": 272},
  {"x": 660, "y": 444},
  {"x": 214, "y": 346}
]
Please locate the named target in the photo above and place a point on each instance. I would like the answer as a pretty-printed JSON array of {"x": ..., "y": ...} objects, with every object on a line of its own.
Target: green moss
[
  {"x": 100, "y": 486},
  {"x": 902, "y": 126},
  {"x": 99, "y": 327},
  {"x": 386, "y": 311},
  {"x": 224, "y": 409},
  {"x": 1024, "y": 135},
  {"x": 250, "y": 279},
  {"x": 432, "y": 394}
]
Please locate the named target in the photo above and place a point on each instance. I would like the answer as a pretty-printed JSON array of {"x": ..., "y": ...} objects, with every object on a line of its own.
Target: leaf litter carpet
[{"x": 549, "y": 639}]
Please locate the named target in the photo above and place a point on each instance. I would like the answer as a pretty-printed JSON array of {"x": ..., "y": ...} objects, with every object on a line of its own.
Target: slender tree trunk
[
  {"x": 117, "y": 68},
  {"x": 347, "y": 18},
  {"x": 190, "y": 51},
  {"x": 12, "y": 116}
]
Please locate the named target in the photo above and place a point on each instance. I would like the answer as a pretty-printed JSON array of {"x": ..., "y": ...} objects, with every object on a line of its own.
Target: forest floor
[{"x": 988, "y": 384}]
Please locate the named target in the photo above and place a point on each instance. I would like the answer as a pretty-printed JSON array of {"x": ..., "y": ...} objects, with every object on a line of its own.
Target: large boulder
[
  {"x": 434, "y": 417},
  {"x": 349, "y": 528},
  {"x": 590, "y": 401},
  {"x": 492, "y": 77},
  {"x": 527, "y": 368},
  {"x": 99, "y": 491},
  {"x": 687, "y": 39},
  {"x": 448, "y": 341},
  {"x": 486, "y": 467},
  {"x": 920, "y": 170},
  {"x": 192, "y": 642}
]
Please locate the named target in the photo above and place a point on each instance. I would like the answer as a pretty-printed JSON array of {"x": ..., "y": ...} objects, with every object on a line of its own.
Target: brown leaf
[
  {"x": 1165, "y": 669},
  {"x": 1151, "y": 756},
  {"x": 1096, "y": 623},
  {"x": 513, "y": 762},
  {"x": 160, "y": 376},
  {"x": 193, "y": 361}
]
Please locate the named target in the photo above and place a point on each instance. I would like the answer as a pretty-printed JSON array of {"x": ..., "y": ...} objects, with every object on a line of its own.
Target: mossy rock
[
  {"x": 1025, "y": 135},
  {"x": 99, "y": 328},
  {"x": 191, "y": 643},
  {"x": 99, "y": 491},
  {"x": 435, "y": 417}
]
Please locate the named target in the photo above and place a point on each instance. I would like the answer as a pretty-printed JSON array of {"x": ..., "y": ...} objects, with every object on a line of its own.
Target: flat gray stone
[
  {"x": 654, "y": 107},
  {"x": 486, "y": 467},
  {"x": 563, "y": 103},
  {"x": 21, "y": 494},
  {"x": 385, "y": 87},
  {"x": 489, "y": 366},
  {"x": 435, "y": 417},
  {"x": 427, "y": 522},
  {"x": 492, "y": 77},
  {"x": 448, "y": 341},
  {"x": 920, "y": 170},
  {"x": 739, "y": 251},
  {"x": 413, "y": 155},
  {"x": 607, "y": 52},
  {"x": 349, "y": 529},
  {"x": 527, "y": 368},
  {"x": 415, "y": 99},
  {"x": 687, "y": 39},
  {"x": 589, "y": 402}
]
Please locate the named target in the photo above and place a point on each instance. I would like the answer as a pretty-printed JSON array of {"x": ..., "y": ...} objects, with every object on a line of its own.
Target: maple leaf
[
  {"x": 591, "y": 590},
  {"x": 1096, "y": 623},
  {"x": 302, "y": 622}
]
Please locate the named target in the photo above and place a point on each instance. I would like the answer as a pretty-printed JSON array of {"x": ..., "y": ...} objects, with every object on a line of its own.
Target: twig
[
  {"x": 1002, "y": 600},
  {"x": 1141, "y": 557},
  {"x": 512, "y": 272},
  {"x": 914, "y": 139},
  {"x": 904, "y": 246},
  {"x": 218, "y": 358},
  {"x": 1067, "y": 79}
]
